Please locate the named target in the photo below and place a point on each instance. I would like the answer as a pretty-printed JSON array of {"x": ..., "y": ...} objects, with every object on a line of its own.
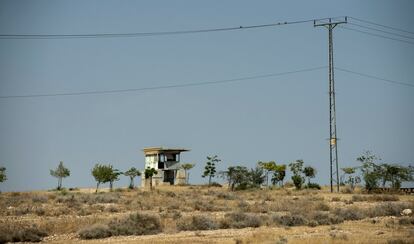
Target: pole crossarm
[{"x": 330, "y": 21}]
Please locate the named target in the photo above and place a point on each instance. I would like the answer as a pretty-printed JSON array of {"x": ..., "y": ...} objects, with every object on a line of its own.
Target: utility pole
[{"x": 330, "y": 24}]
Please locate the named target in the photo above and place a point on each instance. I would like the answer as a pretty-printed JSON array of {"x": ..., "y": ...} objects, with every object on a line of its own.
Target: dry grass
[{"x": 201, "y": 210}]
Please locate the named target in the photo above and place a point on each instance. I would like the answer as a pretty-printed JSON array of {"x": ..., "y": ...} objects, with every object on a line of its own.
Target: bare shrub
[
  {"x": 226, "y": 195},
  {"x": 39, "y": 199},
  {"x": 324, "y": 218},
  {"x": 349, "y": 213},
  {"x": 208, "y": 206},
  {"x": 336, "y": 199},
  {"x": 375, "y": 198},
  {"x": 240, "y": 220},
  {"x": 290, "y": 220},
  {"x": 105, "y": 198},
  {"x": 338, "y": 235},
  {"x": 389, "y": 209},
  {"x": 136, "y": 224},
  {"x": 96, "y": 231},
  {"x": 406, "y": 221},
  {"x": 21, "y": 234},
  {"x": 347, "y": 190},
  {"x": 197, "y": 222},
  {"x": 397, "y": 241}
]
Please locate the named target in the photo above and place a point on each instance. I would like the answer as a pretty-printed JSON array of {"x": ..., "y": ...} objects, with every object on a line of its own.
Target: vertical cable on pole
[{"x": 330, "y": 24}]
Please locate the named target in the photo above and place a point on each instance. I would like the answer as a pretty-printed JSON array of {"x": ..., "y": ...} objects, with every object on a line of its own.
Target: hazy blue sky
[{"x": 278, "y": 118}]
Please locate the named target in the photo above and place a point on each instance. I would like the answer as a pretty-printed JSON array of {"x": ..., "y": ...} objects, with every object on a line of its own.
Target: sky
[{"x": 281, "y": 118}]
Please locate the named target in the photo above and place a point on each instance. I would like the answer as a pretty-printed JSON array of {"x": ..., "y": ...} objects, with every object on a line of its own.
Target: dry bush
[
  {"x": 10, "y": 233},
  {"x": 397, "y": 241},
  {"x": 353, "y": 213},
  {"x": 300, "y": 205},
  {"x": 39, "y": 199},
  {"x": 136, "y": 224},
  {"x": 208, "y": 206},
  {"x": 389, "y": 209},
  {"x": 336, "y": 199},
  {"x": 347, "y": 190},
  {"x": 96, "y": 231},
  {"x": 324, "y": 218},
  {"x": 240, "y": 220},
  {"x": 104, "y": 198},
  {"x": 226, "y": 195},
  {"x": 197, "y": 222},
  {"x": 289, "y": 219},
  {"x": 406, "y": 220},
  {"x": 375, "y": 198}
]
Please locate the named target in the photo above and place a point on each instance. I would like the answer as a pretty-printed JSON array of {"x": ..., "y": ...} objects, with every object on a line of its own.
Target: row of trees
[
  {"x": 240, "y": 177},
  {"x": 107, "y": 173},
  {"x": 376, "y": 174}
]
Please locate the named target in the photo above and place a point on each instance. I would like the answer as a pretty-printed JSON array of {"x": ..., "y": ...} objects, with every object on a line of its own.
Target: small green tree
[
  {"x": 309, "y": 172},
  {"x": 149, "y": 173},
  {"x": 113, "y": 176},
  {"x": 3, "y": 176},
  {"x": 132, "y": 173},
  {"x": 396, "y": 174},
  {"x": 210, "y": 168},
  {"x": 279, "y": 174},
  {"x": 371, "y": 171},
  {"x": 350, "y": 179},
  {"x": 102, "y": 174},
  {"x": 268, "y": 167},
  {"x": 257, "y": 176},
  {"x": 186, "y": 167},
  {"x": 297, "y": 169},
  {"x": 237, "y": 177},
  {"x": 60, "y": 172}
]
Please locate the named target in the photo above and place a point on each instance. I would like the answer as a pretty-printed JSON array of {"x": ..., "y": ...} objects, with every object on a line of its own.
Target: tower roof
[{"x": 152, "y": 150}]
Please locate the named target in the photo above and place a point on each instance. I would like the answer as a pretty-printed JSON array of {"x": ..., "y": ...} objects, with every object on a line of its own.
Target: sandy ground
[{"x": 377, "y": 230}]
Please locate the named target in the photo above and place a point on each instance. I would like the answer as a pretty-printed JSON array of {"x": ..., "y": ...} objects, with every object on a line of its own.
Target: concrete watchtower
[{"x": 167, "y": 162}]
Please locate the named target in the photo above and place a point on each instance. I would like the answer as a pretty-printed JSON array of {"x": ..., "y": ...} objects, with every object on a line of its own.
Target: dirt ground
[{"x": 370, "y": 218}]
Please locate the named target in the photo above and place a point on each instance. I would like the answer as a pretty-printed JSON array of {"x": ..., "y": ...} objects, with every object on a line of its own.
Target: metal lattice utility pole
[{"x": 330, "y": 24}]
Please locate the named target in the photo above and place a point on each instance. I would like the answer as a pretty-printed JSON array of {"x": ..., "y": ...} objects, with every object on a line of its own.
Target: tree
[
  {"x": 186, "y": 168},
  {"x": 210, "y": 168},
  {"x": 257, "y": 176},
  {"x": 279, "y": 174},
  {"x": 268, "y": 167},
  {"x": 113, "y": 176},
  {"x": 371, "y": 171},
  {"x": 149, "y": 173},
  {"x": 132, "y": 173},
  {"x": 3, "y": 176},
  {"x": 309, "y": 172},
  {"x": 396, "y": 174},
  {"x": 352, "y": 179},
  {"x": 297, "y": 169},
  {"x": 237, "y": 177},
  {"x": 60, "y": 172},
  {"x": 102, "y": 174}
]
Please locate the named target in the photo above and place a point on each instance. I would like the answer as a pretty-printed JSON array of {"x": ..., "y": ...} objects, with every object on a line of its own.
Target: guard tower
[{"x": 167, "y": 162}]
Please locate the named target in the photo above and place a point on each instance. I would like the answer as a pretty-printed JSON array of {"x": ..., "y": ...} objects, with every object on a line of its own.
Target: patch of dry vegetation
[{"x": 175, "y": 209}]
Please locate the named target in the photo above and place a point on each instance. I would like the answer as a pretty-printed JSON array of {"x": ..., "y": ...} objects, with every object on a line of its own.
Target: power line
[
  {"x": 386, "y": 32},
  {"x": 376, "y": 35},
  {"x": 163, "y": 87},
  {"x": 375, "y": 77},
  {"x": 384, "y": 26},
  {"x": 145, "y": 34}
]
